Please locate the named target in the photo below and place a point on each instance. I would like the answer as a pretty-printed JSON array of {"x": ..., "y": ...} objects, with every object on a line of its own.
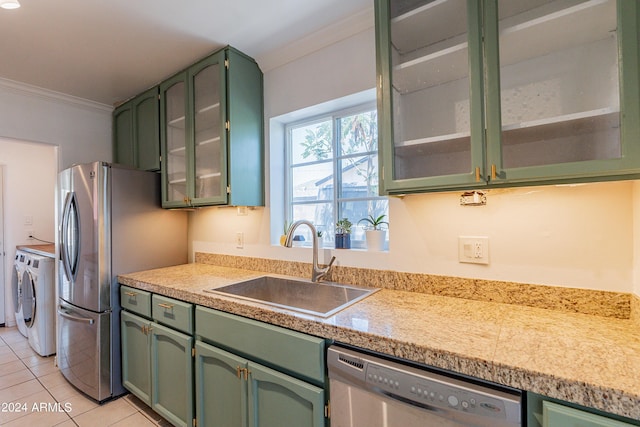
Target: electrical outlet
[
  {"x": 30, "y": 235},
  {"x": 473, "y": 249},
  {"x": 239, "y": 240}
]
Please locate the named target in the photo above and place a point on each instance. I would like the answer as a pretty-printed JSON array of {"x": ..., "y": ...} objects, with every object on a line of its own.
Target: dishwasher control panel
[{"x": 428, "y": 389}]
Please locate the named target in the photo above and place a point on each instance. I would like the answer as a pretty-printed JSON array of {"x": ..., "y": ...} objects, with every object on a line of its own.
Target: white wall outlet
[
  {"x": 239, "y": 240},
  {"x": 473, "y": 249},
  {"x": 29, "y": 234}
]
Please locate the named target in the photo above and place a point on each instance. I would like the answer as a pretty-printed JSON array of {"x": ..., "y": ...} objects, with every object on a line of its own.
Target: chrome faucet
[{"x": 317, "y": 273}]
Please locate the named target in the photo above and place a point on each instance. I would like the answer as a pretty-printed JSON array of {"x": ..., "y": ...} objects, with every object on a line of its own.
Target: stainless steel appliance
[
  {"x": 371, "y": 391},
  {"x": 110, "y": 222}
]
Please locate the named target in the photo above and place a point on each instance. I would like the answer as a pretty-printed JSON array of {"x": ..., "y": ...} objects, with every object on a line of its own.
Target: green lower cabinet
[
  {"x": 136, "y": 357},
  {"x": 234, "y": 392},
  {"x": 220, "y": 395},
  {"x": 172, "y": 375},
  {"x": 543, "y": 411},
  {"x": 276, "y": 400}
]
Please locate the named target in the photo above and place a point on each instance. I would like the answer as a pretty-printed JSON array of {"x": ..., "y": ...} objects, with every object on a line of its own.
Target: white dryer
[
  {"x": 40, "y": 293},
  {"x": 18, "y": 274}
]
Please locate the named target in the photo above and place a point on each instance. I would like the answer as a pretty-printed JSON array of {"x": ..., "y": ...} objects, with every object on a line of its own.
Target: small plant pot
[
  {"x": 375, "y": 239},
  {"x": 343, "y": 241}
]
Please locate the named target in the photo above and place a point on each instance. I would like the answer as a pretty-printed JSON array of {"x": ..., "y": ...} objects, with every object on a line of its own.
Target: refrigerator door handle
[
  {"x": 66, "y": 315},
  {"x": 69, "y": 270}
]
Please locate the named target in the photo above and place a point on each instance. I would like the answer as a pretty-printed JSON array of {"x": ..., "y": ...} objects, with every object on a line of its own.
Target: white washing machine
[
  {"x": 40, "y": 293},
  {"x": 18, "y": 274}
]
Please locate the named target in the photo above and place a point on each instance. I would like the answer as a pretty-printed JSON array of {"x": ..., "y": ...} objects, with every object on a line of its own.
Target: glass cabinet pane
[
  {"x": 559, "y": 89},
  {"x": 207, "y": 134},
  {"x": 430, "y": 88},
  {"x": 176, "y": 142}
]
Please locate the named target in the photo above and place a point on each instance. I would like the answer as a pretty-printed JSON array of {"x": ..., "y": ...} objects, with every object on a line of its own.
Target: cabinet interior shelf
[
  {"x": 209, "y": 175},
  {"x": 180, "y": 151},
  {"x": 178, "y": 122},
  {"x": 555, "y": 30},
  {"x": 576, "y": 123},
  {"x": 208, "y": 141},
  {"x": 208, "y": 108}
]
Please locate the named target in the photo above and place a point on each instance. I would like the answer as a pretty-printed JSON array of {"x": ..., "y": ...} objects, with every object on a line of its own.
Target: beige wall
[{"x": 576, "y": 236}]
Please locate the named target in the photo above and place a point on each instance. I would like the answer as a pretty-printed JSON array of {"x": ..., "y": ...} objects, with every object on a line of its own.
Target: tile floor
[{"x": 30, "y": 386}]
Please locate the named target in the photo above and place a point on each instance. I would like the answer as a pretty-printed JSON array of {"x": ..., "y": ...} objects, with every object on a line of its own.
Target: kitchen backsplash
[{"x": 594, "y": 302}]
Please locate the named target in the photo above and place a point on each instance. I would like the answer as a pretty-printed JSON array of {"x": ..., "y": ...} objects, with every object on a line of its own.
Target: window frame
[{"x": 335, "y": 117}]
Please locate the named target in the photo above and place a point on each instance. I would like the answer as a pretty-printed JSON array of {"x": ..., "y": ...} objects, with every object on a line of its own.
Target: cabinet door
[
  {"x": 176, "y": 153},
  {"x": 277, "y": 400},
  {"x": 172, "y": 375},
  {"x": 123, "y": 144},
  {"x": 147, "y": 130},
  {"x": 432, "y": 125},
  {"x": 136, "y": 366},
  {"x": 555, "y": 73},
  {"x": 220, "y": 388},
  {"x": 208, "y": 101}
]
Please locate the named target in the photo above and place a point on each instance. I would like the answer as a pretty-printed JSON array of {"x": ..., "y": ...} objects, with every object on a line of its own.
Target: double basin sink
[{"x": 322, "y": 299}]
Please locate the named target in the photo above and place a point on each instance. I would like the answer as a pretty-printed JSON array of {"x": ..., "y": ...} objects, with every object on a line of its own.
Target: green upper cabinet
[
  {"x": 212, "y": 133},
  {"x": 136, "y": 132},
  {"x": 477, "y": 93}
]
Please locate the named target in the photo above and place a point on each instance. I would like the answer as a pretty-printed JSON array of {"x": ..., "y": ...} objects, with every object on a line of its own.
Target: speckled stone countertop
[{"x": 590, "y": 360}]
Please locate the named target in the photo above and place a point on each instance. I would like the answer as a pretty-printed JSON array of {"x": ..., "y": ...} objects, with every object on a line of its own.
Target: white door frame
[{"x": 3, "y": 253}]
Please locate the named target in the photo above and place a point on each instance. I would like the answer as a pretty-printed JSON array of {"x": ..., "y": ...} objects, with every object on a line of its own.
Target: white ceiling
[{"x": 107, "y": 51}]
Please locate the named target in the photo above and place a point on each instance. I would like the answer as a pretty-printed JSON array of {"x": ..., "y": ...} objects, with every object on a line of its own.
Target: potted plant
[
  {"x": 375, "y": 235},
  {"x": 320, "y": 239},
  {"x": 343, "y": 234}
]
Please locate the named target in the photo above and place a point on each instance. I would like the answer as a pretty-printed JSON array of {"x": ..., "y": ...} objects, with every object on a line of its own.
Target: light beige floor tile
[
  {"x": 10, "y": 380},
  {"x": 36, "y": 360},
  {"x": 78, "y": 404},
  {"x": 11, "y": 367},
  {"x": 25, "y": 353},
  {"x": 12, "y": 336},
  {"x": 44, "y": 369},
  {"x": 8, "y": 357},
  {"x": 4, "y": 348},
  {"x": 62, "y": 391},
  {"x": 21, "y": 390},
  {"x": 52, "y": 380},
  {"x": 19, "y": 344},
  {"x": 135, "y": 420},
  {"x": 67, "y": 423},
  {"x": 143, "y": 408},
  {"x": 107, "y": 414}
]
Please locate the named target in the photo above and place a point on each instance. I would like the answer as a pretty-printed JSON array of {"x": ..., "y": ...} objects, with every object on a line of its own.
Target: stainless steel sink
[{"x": 322, "y": 299}]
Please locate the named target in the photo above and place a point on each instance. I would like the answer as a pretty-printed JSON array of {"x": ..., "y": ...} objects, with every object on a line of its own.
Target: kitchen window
[{"x": 332, "y": 172}]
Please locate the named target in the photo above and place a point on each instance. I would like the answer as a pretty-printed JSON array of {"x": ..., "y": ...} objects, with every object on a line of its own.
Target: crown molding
[
  {"x": 51, "y": 95},
  {"x": 322, "y": 38}
]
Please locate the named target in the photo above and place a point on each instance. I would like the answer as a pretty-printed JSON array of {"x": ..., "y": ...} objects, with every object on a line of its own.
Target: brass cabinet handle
[
  {"x": 238, "y": 369},
  {"x": 167, "y": 306},
  {"x": 130, "y": 294},
  {"x": 478, "y": 174},
  {"x": 493, "y": 172}
]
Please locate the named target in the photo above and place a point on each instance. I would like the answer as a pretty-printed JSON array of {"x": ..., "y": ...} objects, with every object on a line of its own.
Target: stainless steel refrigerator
[{"x": 110, "y": 222}]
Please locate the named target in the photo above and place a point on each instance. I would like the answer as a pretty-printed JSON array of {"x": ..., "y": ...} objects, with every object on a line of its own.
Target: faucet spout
[{"x": 317, "y": 273}]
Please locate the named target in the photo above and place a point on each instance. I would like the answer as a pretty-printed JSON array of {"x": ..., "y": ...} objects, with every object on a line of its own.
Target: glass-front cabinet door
[
  {"x": 557, "y": 75},
  {"x": 426, "y": 49},
  {"x": 208, "y": 92},
  {"x": 176, "y": 185},
  {"x": 499, "y": 92}
]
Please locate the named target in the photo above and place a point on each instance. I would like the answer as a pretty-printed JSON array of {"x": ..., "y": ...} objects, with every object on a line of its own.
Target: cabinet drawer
[
  {"x": 135, "y": 300},
  {"x": 173, "y": 313},
  {"x": 289, "y": 351}
]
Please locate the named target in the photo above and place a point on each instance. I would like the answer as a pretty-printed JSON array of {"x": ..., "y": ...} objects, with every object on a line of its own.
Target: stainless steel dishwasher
[{"x": 371, "y": 391}]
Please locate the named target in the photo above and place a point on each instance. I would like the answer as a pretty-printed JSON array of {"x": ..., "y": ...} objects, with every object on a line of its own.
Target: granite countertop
[{"x": 589, "y": 360}]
